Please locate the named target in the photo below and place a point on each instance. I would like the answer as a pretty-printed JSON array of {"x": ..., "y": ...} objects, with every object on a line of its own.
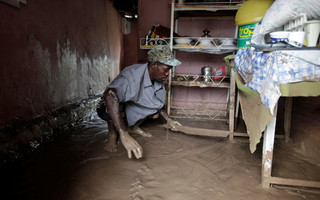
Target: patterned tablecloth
[{"x": 264, "y": 72}]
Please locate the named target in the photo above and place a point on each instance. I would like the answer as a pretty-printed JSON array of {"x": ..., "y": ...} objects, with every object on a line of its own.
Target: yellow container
[{"x": 249, "y": 14}]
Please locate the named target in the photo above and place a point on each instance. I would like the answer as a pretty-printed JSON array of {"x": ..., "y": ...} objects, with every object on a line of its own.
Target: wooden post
[
  {"x": 267, "y": 153},
  {"x": 232, "y": 94},
  {"x": 287, "y": 118}
]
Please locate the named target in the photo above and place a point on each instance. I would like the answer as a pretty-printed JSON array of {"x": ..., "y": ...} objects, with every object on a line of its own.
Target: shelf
[
  {"x": 191, "y": 109},
  {"x": 207, "y": 9},
  {"x": 150, "y": 43},
  {"x": 212, "y": 45},
  {"x": 197, "y": 113},
  {"x": 208, "y": 6},
  {"x": 195, "y": 80},
  {"x": 206, "y": 49}
]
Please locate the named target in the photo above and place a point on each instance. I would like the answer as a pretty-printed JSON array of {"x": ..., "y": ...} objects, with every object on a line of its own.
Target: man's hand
[
  {"x": 130, "y": 144},
  {"x": 173, "y": 124}
]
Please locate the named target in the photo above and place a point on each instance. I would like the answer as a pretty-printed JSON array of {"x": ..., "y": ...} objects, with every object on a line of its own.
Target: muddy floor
[{"x": 175, "y": 166}]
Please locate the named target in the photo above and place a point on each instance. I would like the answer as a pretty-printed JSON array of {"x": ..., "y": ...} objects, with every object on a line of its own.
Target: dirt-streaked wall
[{"x": 53, "y": 53}]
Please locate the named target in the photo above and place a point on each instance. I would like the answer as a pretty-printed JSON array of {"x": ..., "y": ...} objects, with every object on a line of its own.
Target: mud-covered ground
[{"x": 175, "y": 166}]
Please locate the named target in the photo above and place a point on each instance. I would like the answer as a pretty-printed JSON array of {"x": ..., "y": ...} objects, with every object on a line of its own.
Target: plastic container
[
  {"x": 206, "y": 72},
  {"x": 312, "y": 29},
  {"x": 249, "y": 14}
]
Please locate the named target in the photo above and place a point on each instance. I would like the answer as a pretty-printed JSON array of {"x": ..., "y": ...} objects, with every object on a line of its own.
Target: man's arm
[
  {"x": 112, "y": 104},
  {"x": 171, "y": 123}
]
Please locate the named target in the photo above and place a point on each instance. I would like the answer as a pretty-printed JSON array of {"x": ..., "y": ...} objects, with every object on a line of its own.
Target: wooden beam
[
  {"x": 294, "y": 182},
  {"x": 232, "y": 102},
  {"x": 287, "y": 118},
  {"x": 200, "y": 131}
]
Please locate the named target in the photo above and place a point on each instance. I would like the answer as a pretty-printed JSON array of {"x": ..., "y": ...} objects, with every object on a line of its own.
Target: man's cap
[{"x": 162, "y": 54}]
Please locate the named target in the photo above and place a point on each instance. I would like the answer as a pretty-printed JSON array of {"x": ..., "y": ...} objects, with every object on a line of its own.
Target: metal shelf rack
[{"x": 216, "y": 45}]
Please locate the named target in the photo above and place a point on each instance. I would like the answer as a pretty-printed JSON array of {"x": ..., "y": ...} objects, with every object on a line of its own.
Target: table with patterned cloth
[{"x": 262, "y": 78}]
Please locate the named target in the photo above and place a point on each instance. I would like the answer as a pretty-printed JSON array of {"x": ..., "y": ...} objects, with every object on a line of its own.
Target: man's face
[{"x": 161, "y": 73}]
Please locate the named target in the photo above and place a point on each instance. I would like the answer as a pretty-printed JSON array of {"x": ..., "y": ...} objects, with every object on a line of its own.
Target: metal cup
[{"x": 206, "y": 72}]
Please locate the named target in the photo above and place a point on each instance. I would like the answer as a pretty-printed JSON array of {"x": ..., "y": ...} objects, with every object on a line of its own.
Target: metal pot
[{"x": 206, "y": 72}]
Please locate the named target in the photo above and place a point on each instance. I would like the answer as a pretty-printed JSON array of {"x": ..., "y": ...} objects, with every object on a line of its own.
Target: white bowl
[
  {"x": 279, "y": 36},
  {"x": 227, "y": 41},
  {"x": 296, "y": 38},
  {"x": 183, "y": 40}
]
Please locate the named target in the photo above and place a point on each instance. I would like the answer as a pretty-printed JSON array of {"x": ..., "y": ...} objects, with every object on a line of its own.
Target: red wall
[{"x": 55, "y": 52}]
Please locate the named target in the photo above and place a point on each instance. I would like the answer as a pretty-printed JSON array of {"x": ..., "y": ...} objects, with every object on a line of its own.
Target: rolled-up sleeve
[{"x": 121, "y": 84}]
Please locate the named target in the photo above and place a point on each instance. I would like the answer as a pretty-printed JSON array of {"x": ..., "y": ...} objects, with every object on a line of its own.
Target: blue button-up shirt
[{"x": 140, "y": 97}]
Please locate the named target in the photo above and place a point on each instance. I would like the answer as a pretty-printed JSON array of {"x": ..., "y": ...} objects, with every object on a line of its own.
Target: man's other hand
[{"x": 130, "y": 144}]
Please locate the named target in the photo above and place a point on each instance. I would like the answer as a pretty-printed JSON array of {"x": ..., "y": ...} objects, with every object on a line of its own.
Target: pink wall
[
  {"x": 152, "y": 12},
  {"x": 131, "y": 45},
  {"x": 54, "y": 53}
]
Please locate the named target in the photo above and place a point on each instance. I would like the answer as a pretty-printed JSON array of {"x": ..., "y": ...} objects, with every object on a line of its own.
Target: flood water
[{"x": 175, "y": 166}]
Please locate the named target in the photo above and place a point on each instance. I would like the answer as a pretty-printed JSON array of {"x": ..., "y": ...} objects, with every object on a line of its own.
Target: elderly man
[{"x": 137, "y": 93}]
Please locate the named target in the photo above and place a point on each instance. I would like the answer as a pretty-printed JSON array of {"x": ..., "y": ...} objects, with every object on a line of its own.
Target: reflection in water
[
  {"x": 45, "y": 173},
  {"x": 93, "y": 159}
]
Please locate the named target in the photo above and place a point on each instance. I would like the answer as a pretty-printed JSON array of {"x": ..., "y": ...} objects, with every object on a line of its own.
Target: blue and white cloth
[{"x": 264, "y": 72}]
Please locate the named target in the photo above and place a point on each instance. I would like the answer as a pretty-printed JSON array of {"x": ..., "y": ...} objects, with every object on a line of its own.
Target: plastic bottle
[{"x": 249, "y": 14}]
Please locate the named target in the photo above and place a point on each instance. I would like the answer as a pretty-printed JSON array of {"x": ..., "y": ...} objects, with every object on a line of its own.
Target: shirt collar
[{"x": 147, "y": 81}]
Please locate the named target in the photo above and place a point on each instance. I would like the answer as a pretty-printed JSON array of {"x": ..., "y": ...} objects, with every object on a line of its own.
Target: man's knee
[{"x": 155, "y": 116}]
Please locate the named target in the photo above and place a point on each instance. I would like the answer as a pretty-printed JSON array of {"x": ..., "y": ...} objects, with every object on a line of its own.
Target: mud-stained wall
[{"x": 53, "y": 53}]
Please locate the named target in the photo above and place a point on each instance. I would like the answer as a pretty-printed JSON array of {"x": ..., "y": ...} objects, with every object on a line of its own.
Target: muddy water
[{"x": 175, "y": 166}]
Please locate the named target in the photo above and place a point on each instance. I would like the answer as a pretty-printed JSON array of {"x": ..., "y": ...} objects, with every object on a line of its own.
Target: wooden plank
[
  {"x": 295, "y": 188},
  {"x": 240, "y": 134},
  {"x": 200, "y": 131},
  {"x": 246, "y": 135},
  {"x": 169, "y": 94},
  {"x": 287, "y": 118},
  {"x": 232, "y": 103},
  {"x": 237, "y": 110},
  {"x": 294, "y": 182}
]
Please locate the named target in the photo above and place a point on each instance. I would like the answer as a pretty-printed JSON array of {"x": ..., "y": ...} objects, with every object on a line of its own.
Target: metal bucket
[{"x": 206, "y": 73}]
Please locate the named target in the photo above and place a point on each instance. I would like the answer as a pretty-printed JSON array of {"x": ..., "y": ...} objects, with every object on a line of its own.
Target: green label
[{"x": 245, "y": 34}]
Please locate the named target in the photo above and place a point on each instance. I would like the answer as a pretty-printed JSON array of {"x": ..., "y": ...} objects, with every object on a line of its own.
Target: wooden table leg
[
  {"x": 287, "y": 118},
  {"x": 267, "y": 153}
]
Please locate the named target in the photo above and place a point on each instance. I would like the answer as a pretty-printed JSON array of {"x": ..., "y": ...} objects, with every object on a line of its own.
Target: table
[{"x": 287, "y": 75}]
